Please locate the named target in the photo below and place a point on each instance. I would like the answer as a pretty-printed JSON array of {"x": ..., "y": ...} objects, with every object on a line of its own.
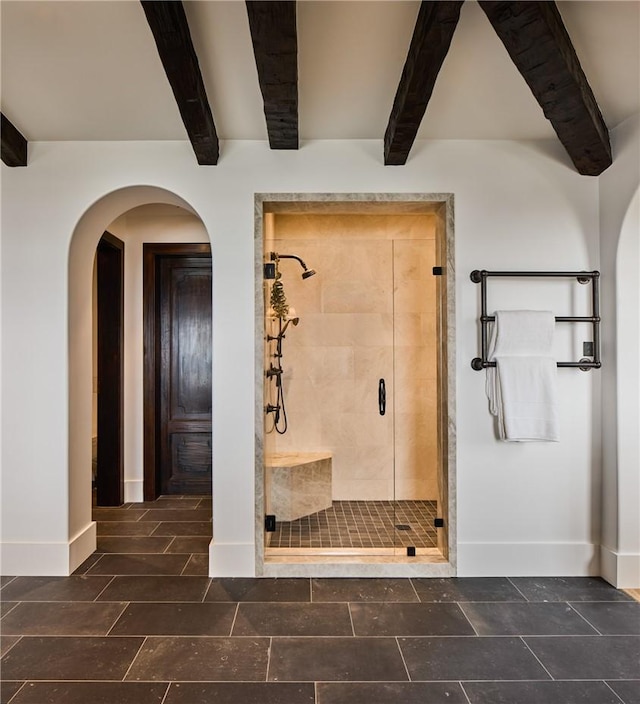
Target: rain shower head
[{"x": 305, "y": 274}]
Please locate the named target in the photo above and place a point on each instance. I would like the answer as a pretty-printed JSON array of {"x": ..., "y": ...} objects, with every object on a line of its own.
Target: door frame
[
  {"x": 110, "y": 370},
  {"x": 442, "y": 206},
  {"x": 152, "y": 253}
]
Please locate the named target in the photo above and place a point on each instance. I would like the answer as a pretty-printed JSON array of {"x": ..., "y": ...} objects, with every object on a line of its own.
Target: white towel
[{"x": 522, "y": 387}]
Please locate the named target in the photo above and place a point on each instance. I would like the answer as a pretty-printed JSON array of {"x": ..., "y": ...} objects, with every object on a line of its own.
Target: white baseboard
[
  {"x": 35, "y": 559},
  {"x": 82, "y": 545},
  {"x": 48, "y": 559},
  {"x": 133, "y": 490},
  {"x": 232, "y": 560},
  {"x": 528, "y": 559},
  {"x": 622, "y": 570}
]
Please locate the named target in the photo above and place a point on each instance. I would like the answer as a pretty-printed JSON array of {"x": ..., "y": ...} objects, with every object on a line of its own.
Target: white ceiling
[{"x": 89, "y": 70}]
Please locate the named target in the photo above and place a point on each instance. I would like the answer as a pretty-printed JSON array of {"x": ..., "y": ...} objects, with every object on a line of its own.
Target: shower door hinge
[
  {"x": 437, "y": 271},
  {"x": 438, "y": 522},
  {"x": 270, "y": 523}
]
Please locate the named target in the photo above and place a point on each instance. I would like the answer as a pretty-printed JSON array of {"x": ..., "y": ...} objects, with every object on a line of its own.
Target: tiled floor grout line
[
  {"x": 415, "y": 591},
  {"x": 169, "y": 544},
  {"x": 126, "y": 606},
  {"x": 135, "y": 657},
  {"x": 17, "y": 603},
  {"x": 515, "y": 586},
  {"x": 186, "y": 564},
  {"x": 467, "y": 616},
  {"x": 614, "y": 692},
  {"x": 166, "y": 693},
  {"x": 536, "y": 657},
  {"x": 404, "y": 662},
  {"x": 206, "y": 591},
  {"x": 464, "y": 691},
  {"x": 584, "y": 618},
  {"x": 353, "y": 628},
  {"x": 235, "y": 616},
  {"x": 86, "y": 572},
  {"x": 15, "y": 694},
  {"x": 266, "y": 676},
  {"x": 106, "y": 585},
  {"x": 12, "y": 646}
]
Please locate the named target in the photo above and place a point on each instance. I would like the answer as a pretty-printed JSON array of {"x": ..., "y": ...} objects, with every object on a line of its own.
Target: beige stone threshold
[{"x": 350, "y": 555}]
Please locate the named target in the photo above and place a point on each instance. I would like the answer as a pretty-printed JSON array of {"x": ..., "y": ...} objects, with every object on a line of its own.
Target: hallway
[{"x": 141, "y": 622}]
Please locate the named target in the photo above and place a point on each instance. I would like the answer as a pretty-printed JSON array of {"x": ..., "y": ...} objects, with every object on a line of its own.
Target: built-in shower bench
[{"x": 297, "y": 484}]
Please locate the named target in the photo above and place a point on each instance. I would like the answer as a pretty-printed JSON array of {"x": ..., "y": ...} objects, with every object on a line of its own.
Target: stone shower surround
[{"x": 360, "y": 565}]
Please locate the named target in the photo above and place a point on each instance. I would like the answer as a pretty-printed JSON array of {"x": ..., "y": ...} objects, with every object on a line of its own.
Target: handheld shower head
[{"x": 290, "y": 321}]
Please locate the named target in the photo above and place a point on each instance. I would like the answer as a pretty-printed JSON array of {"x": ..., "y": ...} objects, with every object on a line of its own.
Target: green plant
[{"x": 278, "y": 298}]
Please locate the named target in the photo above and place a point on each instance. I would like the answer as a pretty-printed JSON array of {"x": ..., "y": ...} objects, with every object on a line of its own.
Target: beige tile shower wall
[
  {"x": 344, "y": 344},
  {"x": 269, "y": 435}
]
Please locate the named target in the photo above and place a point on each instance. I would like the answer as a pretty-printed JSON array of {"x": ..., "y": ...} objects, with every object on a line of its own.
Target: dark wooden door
[
  {"x": 110, "y": 315},
  {"x": 185, "y": 375}
]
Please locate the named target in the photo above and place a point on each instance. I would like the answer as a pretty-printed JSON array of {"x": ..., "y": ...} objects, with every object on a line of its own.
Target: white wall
[
  {"x": 620, "y": 232},
  {"x": 530, "y": 508}
]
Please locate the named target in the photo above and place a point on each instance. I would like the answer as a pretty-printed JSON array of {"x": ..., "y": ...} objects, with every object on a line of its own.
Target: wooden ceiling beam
[
  {"x": 275, "y": 47},
  {"x": 540, "y": 47},
  {"x": 430, "y": 43},
  {"x": 13, "y": 144},
  {"x": 168, "y": 23}
]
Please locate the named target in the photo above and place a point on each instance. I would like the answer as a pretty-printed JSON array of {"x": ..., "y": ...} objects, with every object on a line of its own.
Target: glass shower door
[
  {"x": 333, "y": 363},
  {"x": 415, "y": 371},
  {"x": 355, "y": 471}
]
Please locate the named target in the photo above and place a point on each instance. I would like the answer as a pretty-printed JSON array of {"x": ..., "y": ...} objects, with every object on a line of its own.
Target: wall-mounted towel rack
[{"x": 591, "y": 349}]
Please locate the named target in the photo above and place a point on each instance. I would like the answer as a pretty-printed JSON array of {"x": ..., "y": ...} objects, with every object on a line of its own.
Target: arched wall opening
[
  {"x": 628, "y": 396},
  {"x": 94, "y": 222}
]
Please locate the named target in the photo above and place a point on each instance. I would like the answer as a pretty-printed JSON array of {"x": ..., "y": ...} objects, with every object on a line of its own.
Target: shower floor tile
[{"x": 361, "y": 524}]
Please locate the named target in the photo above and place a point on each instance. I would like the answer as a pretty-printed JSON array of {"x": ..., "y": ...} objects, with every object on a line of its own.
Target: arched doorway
[
  {"x": 628, "y": 395},
  {"x": 90, "y": 228}
]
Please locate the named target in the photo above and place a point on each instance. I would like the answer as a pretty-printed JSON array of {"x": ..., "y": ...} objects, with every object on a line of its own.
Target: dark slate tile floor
[{"x": 151, "y": 627}]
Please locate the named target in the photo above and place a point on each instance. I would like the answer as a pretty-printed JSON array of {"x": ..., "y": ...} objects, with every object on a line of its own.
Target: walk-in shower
[{"x": 348, "y": 473}]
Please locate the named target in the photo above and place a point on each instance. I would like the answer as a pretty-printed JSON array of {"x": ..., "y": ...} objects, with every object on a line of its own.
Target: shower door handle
[{"x": 382, "y": 397}]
